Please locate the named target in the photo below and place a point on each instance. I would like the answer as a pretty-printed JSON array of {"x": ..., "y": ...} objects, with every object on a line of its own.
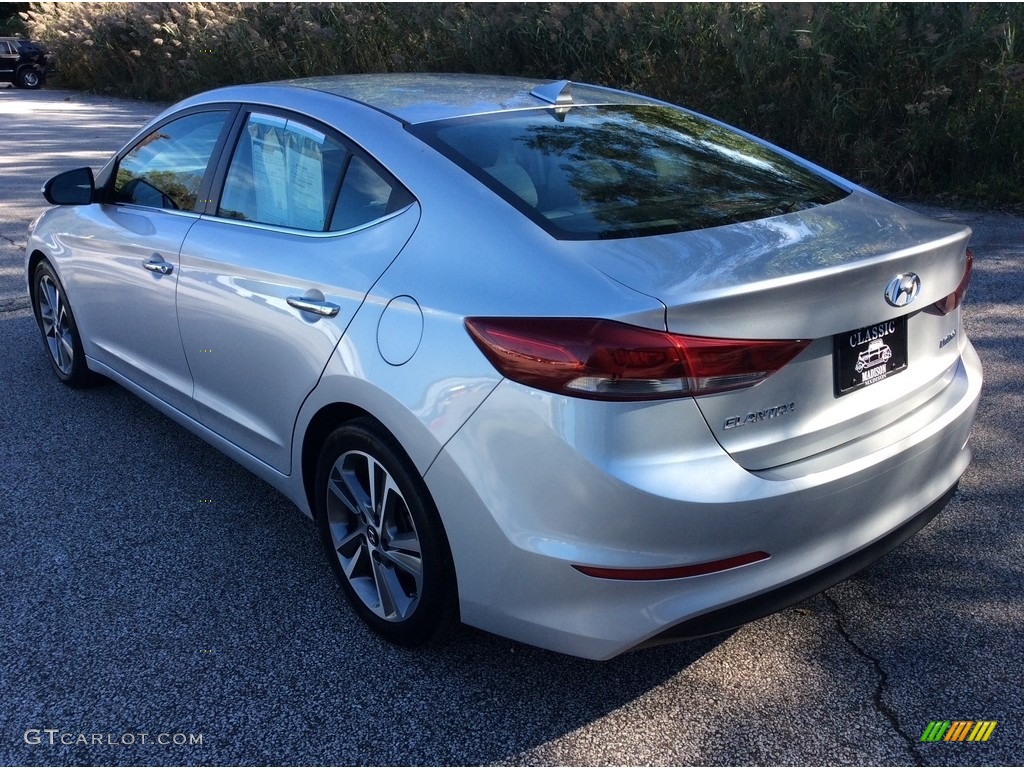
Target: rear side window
[
  {"x": 283, "y": 172},
  {"x": 626, "y": 170},
  {"x": 166, "y": 169},
  {"x": 287, "y": 173},
  {"x": 368, "y": 193}
]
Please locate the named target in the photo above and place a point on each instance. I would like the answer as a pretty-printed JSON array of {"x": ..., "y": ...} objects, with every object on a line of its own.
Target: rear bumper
[
  {"x": 535, "y": 483},
  {"x": 737, "y": 614}
]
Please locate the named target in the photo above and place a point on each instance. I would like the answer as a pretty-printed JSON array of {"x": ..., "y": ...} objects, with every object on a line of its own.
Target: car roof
[
  {"x": 417, "y": 98},
  {"x": 23, "y": 41}
]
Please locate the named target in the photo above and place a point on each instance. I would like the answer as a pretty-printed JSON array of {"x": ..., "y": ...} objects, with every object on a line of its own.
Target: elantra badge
[{"x": 903, "y": 289}]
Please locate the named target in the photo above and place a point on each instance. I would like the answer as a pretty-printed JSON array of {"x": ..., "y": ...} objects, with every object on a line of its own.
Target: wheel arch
[
  {"x": 410, "y": 437},
  {"x": 324, "y": 421},
  {"x": 341, "y": 397},
  {"x": 33, "y": 261}
]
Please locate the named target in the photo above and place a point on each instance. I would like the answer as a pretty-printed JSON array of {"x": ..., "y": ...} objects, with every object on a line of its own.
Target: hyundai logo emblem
[{"x": 903, "y": 289}]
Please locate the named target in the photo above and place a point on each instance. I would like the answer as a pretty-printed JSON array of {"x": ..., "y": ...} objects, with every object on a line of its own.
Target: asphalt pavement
[{"x": 161, "y": 606}]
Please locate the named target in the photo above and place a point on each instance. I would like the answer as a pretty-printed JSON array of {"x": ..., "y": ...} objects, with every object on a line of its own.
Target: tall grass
[{"x": 911, "y": 99}]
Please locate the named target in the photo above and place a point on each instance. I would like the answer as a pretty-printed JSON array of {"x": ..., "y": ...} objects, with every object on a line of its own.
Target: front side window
[
  {"x": 626, "y": 170},
  {"x": 166, "y": 169}
]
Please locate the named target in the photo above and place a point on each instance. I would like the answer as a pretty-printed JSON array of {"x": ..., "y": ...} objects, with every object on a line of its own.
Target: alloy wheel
[
  {"x": 374, "y": 536},
  {"x": 56, "y": 323}
]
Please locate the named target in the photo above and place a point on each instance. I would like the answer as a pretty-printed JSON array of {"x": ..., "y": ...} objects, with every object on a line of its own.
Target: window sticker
[
  {"x": 270, "y": 173},
  {"x": 305, "y": 182},
  {"x": 288, "y": 172}
]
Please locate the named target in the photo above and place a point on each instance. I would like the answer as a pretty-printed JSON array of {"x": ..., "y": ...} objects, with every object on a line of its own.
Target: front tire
[
  {"x": 58, "y": 328},
  {"x": 383, "y": 536}
]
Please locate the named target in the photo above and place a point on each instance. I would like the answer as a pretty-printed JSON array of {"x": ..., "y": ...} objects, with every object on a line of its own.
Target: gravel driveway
[{"x": 159, "y": 605}]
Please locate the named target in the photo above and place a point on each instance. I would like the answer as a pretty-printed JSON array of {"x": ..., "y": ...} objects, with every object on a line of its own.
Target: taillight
[
  {"x": 955, "y": 299},
  {"x": 607, "y": 360}
]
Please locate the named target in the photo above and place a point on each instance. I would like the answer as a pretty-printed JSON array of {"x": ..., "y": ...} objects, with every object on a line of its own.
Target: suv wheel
[{"x": 30, "y": 78}]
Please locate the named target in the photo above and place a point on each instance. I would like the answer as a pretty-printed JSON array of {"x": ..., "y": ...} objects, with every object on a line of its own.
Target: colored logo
[{"x": 958, "y": 730}]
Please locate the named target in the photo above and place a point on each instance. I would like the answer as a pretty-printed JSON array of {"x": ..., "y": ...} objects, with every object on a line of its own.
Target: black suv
[{"x": 23, "y": 62}]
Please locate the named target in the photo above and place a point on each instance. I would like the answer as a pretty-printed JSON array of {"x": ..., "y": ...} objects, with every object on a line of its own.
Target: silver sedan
[{"x": 564, "y": 363}]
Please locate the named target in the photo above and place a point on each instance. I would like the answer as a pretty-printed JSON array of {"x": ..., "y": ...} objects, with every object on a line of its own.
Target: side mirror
[{"x": 75, "y": 187}]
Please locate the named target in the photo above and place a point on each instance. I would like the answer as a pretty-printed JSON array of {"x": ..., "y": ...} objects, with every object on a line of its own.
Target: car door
[
  {"x": 271, "y": 278},
  {"x": 126, "y": 257}
]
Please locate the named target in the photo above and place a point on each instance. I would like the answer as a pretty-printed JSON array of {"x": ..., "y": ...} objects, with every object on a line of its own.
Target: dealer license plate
[{"x": 869, "y": 355}]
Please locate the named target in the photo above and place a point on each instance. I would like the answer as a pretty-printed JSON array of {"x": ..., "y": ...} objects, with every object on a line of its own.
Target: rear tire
[
  {"x": 30, "y": 79},
  {"x": 384, "y": 537},
  {"x": 59, "y": 330}
]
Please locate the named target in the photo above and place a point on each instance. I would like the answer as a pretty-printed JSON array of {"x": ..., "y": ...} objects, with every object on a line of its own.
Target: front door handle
[
  {"x": 322, "y": 308},
  {"x": 162, "y": 267}
]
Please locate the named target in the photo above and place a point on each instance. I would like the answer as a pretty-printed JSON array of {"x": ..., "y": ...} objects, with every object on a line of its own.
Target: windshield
[{"x": 625, "y": 170}]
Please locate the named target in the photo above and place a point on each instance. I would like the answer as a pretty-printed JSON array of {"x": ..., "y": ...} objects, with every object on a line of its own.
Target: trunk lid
[{"x": 818, "y": 274}]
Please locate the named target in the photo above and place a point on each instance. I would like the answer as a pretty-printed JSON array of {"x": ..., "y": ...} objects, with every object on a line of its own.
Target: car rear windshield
[{"x": 587, "y": 173}]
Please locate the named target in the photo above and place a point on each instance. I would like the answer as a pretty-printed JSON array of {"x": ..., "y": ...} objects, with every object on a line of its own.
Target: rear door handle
[
  {"x": 161, "y": 267},
  {"x": 322, "y": 308}
]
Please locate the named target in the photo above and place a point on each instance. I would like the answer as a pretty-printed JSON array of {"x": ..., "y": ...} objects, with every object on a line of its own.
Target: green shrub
[{"x": 912, "y": 99}]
